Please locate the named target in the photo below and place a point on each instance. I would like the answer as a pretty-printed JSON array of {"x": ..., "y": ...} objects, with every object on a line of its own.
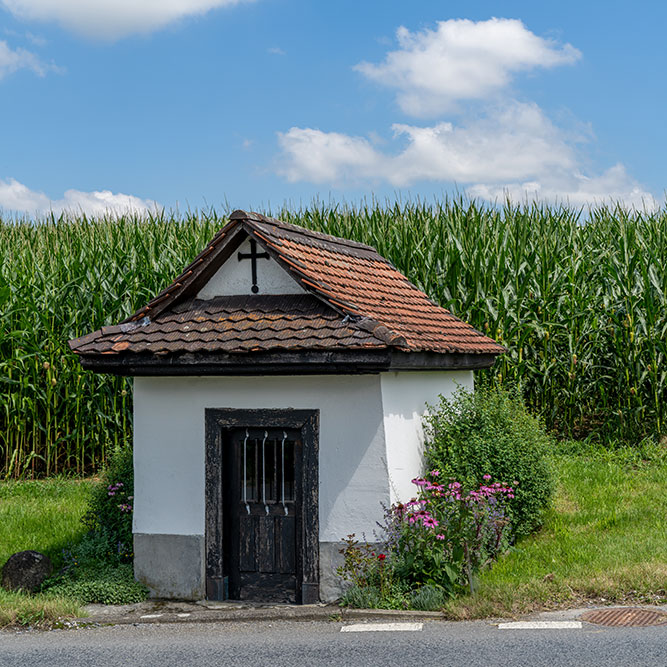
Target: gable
[
  {"x": 235, "y": 276},
  {"x": 326, "y": 303}
]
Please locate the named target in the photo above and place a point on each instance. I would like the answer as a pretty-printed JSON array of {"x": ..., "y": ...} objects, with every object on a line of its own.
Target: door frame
[{"x": 221, "y": 420}]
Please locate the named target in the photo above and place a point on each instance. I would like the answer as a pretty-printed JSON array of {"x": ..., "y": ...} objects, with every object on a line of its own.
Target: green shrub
[
  {"x": 492, "y": 433},
  {"x": 110, "y": 508},
  {"x": 98, "y": 583},
  {"x": 98, "y": 568},
  {"x": 362, "y": 597},
  {"x": 428, "y": 598}
]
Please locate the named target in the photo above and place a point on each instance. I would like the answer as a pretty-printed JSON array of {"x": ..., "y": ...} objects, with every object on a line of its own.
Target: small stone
[{"x": 26, "y": 571}]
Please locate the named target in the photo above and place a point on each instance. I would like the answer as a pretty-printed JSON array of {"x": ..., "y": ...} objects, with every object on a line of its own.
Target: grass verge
[
  {"x": 45, "y": 516},
  {"x": 605, "y": 539}
]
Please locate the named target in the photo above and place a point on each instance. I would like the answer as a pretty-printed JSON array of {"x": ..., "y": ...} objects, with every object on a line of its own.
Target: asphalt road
[{"x": 289, "y": 644}]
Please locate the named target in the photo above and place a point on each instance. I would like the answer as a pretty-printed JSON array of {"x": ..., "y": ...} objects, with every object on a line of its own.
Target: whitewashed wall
[
  {"x": 370, "y": 442},
  {"x": 405, "y": 396},
  {"x": 169, "y": 446}
]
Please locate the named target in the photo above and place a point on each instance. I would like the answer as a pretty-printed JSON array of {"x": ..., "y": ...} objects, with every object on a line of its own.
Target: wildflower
[
  {"x": 381, "y": 557},
  {"x": 487, "y": 477},
  {"x": 435, "y": 473},
  {"x": 439, "y": 537}
]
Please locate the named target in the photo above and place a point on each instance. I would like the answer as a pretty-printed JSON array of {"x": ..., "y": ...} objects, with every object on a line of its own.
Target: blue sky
[{"x": 253, "y": 103}]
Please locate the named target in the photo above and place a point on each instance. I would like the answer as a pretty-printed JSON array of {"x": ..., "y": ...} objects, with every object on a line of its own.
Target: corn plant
[{"x": 577, "y": 297}]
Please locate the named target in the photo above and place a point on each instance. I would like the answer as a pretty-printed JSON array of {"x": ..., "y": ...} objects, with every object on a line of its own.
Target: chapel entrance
[
  {"x": 262, "y": 536},
  {"x": 262, "y": 513}
]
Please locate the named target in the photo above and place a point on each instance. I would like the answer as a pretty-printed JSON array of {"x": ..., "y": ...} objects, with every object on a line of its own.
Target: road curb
[{"x": 169, "y": 612}]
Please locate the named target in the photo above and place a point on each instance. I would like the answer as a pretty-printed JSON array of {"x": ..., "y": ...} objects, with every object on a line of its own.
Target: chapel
[{"x": 280, "y": 383}]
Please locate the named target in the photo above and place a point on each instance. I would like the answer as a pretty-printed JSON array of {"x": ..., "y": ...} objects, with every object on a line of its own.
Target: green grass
[
  {"x": 605, "y": 539},
  {"x": 44, "y": 516}
]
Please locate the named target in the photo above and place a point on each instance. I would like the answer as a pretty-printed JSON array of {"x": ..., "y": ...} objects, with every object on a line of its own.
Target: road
[{"x": 290, "y": 644}]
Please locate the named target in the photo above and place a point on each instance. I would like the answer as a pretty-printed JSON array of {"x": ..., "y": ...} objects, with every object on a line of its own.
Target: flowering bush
[
  {"x": 110, "y": 510},
  {"x": 438, "y": 539},
  {"x": 491, "y": 431},
  {"x": 368, "y": 569},
  {"x": 445, "y": 534}
]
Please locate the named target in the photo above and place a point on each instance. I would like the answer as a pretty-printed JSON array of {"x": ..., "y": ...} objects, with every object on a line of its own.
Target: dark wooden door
[
  {"x": 262, "y": 519},
  {"x": 263, "y": 515}
]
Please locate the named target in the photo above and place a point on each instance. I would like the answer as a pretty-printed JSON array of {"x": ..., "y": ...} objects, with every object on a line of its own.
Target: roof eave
[
  {"x": 282, "y": 362},
  {"x": 433, "y": 361}
]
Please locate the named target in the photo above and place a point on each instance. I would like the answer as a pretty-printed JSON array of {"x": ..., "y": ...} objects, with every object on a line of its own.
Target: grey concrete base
[
  {"x": 171, "y": 566},
  {"x": 331, "y": 585}
]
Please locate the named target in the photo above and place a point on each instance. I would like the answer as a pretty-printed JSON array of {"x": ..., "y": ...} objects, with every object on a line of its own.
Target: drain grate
[{"x": 625, "y": 616}]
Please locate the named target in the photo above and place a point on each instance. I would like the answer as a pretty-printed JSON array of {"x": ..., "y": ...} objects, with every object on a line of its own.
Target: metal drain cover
[{"x": 625, "y": 616}]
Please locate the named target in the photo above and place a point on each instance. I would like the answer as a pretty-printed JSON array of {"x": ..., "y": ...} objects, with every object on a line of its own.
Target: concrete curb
[
  {"x": 187, "y": 612},
  {"x": 163, "y": 611}
]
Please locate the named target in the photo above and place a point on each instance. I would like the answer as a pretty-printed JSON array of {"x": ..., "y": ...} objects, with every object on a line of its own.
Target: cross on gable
[{"x": 253, "y": 256}]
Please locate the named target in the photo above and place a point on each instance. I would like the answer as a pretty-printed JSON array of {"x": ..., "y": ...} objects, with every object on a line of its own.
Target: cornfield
[{"x": 578, "y": 299}]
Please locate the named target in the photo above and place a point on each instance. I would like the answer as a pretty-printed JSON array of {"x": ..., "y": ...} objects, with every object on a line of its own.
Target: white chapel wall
[
  {"x": 169, "y": 446},
  {"x": 234, "y": 277},
  {"x": 405, "y": 396}
]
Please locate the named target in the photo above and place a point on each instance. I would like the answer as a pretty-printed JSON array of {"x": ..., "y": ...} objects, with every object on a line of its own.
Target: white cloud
[
  {"x": 18, "y": 198},
  {"x": 112, "y": 19},
  {"x": 513, "y": 151},
  {"x": 327, "y": 157},
  {"x": 516, "y": 142},
  {"x": 613, "y": 185},
  {"x": 462, "y": 60},
  {"x": 276, "y": 51},
  {"x": 13, "y": 60}
]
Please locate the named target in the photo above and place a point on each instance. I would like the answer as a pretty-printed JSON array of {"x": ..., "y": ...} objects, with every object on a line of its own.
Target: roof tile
[{"x": 357, "y": 300}]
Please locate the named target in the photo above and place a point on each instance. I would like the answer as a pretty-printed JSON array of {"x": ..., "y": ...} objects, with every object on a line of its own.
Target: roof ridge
[{"x": 254, "y": 217}]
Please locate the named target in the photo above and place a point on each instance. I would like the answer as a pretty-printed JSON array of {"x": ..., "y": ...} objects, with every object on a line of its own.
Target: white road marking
[
  {"x": 151, "y": 616},
  {"x": 183, "y": 615},
  {"x": 383, "y": 627},
  {"x": 540, "y": 625}
]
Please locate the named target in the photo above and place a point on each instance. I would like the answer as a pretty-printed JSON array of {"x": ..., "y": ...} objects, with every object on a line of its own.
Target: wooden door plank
[
  {"x": 266, "y": 541},
  {"x": 247, "y": 548}
]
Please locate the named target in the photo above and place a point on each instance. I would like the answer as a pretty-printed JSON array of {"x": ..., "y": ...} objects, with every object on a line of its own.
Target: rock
[{"x": 26, "y": 570}]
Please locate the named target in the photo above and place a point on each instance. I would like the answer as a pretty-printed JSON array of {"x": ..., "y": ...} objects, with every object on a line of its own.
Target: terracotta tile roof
[
  {"x": 234, "y": 324},
  {"x": 357, "y": 300},
  {"x": 359, "y": 281}
]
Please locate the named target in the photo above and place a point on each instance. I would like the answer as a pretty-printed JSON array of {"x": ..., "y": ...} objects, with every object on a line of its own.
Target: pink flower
[
  {"x": 439, "y": 537},
  {"x": 486, "y": 477},
  {"x": 435, "y": 473}
]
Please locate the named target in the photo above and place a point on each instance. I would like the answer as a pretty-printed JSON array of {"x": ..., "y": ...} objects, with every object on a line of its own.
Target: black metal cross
[{"x": 254, "y": 256}]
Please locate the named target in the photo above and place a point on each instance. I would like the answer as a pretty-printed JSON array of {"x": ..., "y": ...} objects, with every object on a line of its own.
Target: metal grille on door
[{"x": 268, "y": 471}]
